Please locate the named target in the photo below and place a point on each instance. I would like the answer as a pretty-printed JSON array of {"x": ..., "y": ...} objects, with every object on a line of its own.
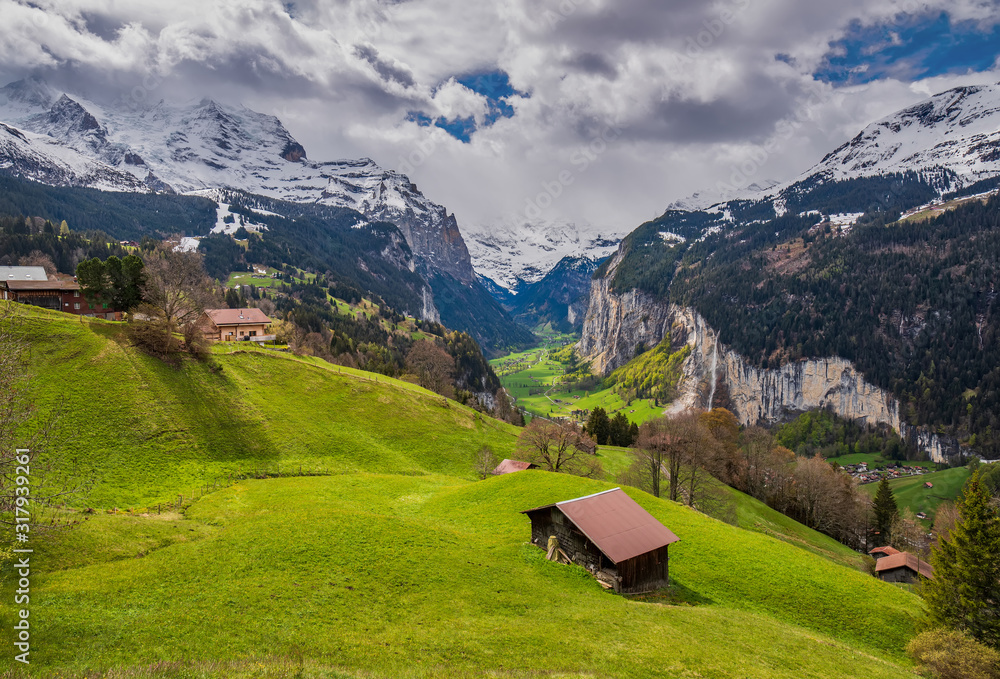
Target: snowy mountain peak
[
  {"x": 956, "y": 131},
  {"x": 68, "y": 140}
]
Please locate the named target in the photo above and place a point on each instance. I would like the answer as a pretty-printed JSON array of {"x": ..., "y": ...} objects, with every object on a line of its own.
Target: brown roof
[
  {"x": 905, "y": 560},
  {"x": 888, "y": 551},
  {"x": 237, "y": 316},
  {"x": 511, "y": 466},
  {"x": 616, "y": 524},
  {"x": 42, "y": 285}
]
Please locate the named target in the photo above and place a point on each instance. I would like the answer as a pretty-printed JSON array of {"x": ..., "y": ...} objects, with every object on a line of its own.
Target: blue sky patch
[
  {"x": 494, "y": 86},
  {"x": 910, "y": 48}
]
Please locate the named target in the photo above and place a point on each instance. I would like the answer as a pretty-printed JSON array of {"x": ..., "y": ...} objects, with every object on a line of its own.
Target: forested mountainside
[
  {"x": 911, "y": 303},
  {"x": 350, "y": 250}
]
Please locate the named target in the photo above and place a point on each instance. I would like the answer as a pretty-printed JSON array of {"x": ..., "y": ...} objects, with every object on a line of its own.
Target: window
[
  {"x": 104, "y": 306},
  {"x": 76, "y": 306},
  {"x": 253, "y": 333},
  {"x": 76, "y": 293}
]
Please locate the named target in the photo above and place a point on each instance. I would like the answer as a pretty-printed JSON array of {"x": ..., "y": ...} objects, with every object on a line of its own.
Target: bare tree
[
  {"x": 945, "y": 519},
  {"x": 675, "y": 449},
  {"x": 433, "y": 365},
  {"x": 175, "y": 292},
  {"x": 486, "y": 462},
  {"x": 177, "y": 289},
  {"x": 757, "y": 445},
  {"x": 39, "y": 258},
  {"x": 558, "y": 447}
]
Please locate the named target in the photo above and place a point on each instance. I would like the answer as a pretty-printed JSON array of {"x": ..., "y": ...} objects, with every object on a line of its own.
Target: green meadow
[
  {"x": 534, "y": 379},
  {"x": 910, "y": 492},
  {"x": 396, "y": 562}
]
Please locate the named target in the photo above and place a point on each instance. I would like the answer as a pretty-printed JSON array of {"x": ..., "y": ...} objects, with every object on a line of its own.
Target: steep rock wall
[{"x": 617, "y": 323}]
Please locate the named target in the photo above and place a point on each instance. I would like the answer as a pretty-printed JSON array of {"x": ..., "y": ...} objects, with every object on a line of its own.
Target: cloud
[{"x": 486, "y": 104}]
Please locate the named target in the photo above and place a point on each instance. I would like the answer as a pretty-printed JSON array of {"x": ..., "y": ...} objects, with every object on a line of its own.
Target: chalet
[
  {"x": 903, "y": 567},
  {"x": 234, "y": 325},
  {"x": 511, "y": 466},
  {"x": 928, "y": 484},
  {"x": 30, "y": 285},
  {"x": 610, "y": 535},
  {"x": 882, "y": 552}
]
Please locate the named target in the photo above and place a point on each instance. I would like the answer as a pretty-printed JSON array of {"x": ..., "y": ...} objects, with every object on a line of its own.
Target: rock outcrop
[{"x": 714, "y": 375}]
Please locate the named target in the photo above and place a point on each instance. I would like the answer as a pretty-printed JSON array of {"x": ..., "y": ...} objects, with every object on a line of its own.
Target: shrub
[{"x": 954, "y": 655}]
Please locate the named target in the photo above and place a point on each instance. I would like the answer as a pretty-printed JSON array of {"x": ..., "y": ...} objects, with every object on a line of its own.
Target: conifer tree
[
  {"x": 965, "y": 591},
  {"x": 885, "y": 511}
]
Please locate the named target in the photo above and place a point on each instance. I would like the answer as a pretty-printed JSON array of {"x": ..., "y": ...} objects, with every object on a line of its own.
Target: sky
[{"x": 598, "y": 113}]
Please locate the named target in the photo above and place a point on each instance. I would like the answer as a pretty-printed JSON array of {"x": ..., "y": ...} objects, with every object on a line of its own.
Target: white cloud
[{"x": 692, "y": 88}]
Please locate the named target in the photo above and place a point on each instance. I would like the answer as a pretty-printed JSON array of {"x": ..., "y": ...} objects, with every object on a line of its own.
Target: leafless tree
[
  {"x": 177, "y": 288},
  {"x": 175, "y": 292},
  {"x": 433, "y": 365},
  {"x": 486, "y": 462},
  {"x": 945, "y": 519},
  {"x": 39, "y": 258},
  {"x": 558, "y": 447},
  {"x": 677, "y": 450}
]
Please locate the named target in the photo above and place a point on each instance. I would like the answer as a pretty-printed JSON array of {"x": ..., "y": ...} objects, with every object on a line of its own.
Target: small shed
[
  {"x": 511, "y": 466},
  {"x": 903, "y": 567},
  {"x": 610, "y": 535}
]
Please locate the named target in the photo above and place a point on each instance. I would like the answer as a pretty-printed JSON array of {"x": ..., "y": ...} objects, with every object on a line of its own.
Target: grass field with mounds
[
  {"x": 431, "y": 576},
  {"x": 147, "y": 431},
  {"x": 396, "y": 562},
  {"x": 911, "y": 493}
]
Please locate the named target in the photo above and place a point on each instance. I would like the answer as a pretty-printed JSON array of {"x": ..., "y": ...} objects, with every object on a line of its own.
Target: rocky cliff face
[
  {"x": 616, "y": 324},
  {"x": 716, "y": 376}
]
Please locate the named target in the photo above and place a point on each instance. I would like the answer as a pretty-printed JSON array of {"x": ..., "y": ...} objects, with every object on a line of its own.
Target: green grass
[
  {"x": 398, "y": 563},
  {"x": 536, "y": 369},
  {"x": 910, "y": 492},
  {"x": 875, "y": 458},
  {"x": 431, "y": 576},
  {"x": 148, "y": 431}
]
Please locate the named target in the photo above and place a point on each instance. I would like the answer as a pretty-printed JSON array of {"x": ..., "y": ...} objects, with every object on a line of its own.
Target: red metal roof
[
  {"x": 905, "y": 560},
  {"x": 888, "y": 551},
  {"x": 616, "y": 524},
  {"x": 511, "y": 466},
  {"x": 237, "y": 316}
]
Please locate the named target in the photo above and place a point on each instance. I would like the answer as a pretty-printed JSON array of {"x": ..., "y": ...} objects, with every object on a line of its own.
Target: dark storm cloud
[
  {"x": 593, "y": 64},
  {"x": 385, "y": 69}
]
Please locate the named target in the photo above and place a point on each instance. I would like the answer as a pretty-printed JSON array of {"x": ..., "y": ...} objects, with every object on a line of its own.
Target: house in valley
[
  {"x": 903, "y": 567},
  {"x": 610, "y": 535},
  {"x": 234, "y": 325}
]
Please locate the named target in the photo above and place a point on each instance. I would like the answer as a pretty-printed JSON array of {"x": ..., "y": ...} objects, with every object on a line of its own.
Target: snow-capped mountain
[
  {"x": 58, "y": 138},
  {"x": 957, "y": 130},
  {"x": 516, "y": 253}
]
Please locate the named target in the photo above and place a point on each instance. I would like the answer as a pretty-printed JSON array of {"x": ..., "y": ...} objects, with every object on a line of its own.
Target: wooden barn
[{"x": 610, "y": 535}]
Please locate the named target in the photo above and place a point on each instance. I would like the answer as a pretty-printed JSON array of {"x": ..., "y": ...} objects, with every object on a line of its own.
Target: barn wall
[
  {"x": 578, "y": 548},
  {"x": 898, "y": 575},
  {"x": 645, "y": 572}
]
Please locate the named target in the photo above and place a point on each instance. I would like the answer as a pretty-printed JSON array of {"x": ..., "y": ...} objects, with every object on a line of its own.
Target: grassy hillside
[
  {"x": 149, "y": 431},
  {"x": 398, "y": 563},
  {"x": 431, "y": 576},
  {"x": 910, "y": 492}
]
